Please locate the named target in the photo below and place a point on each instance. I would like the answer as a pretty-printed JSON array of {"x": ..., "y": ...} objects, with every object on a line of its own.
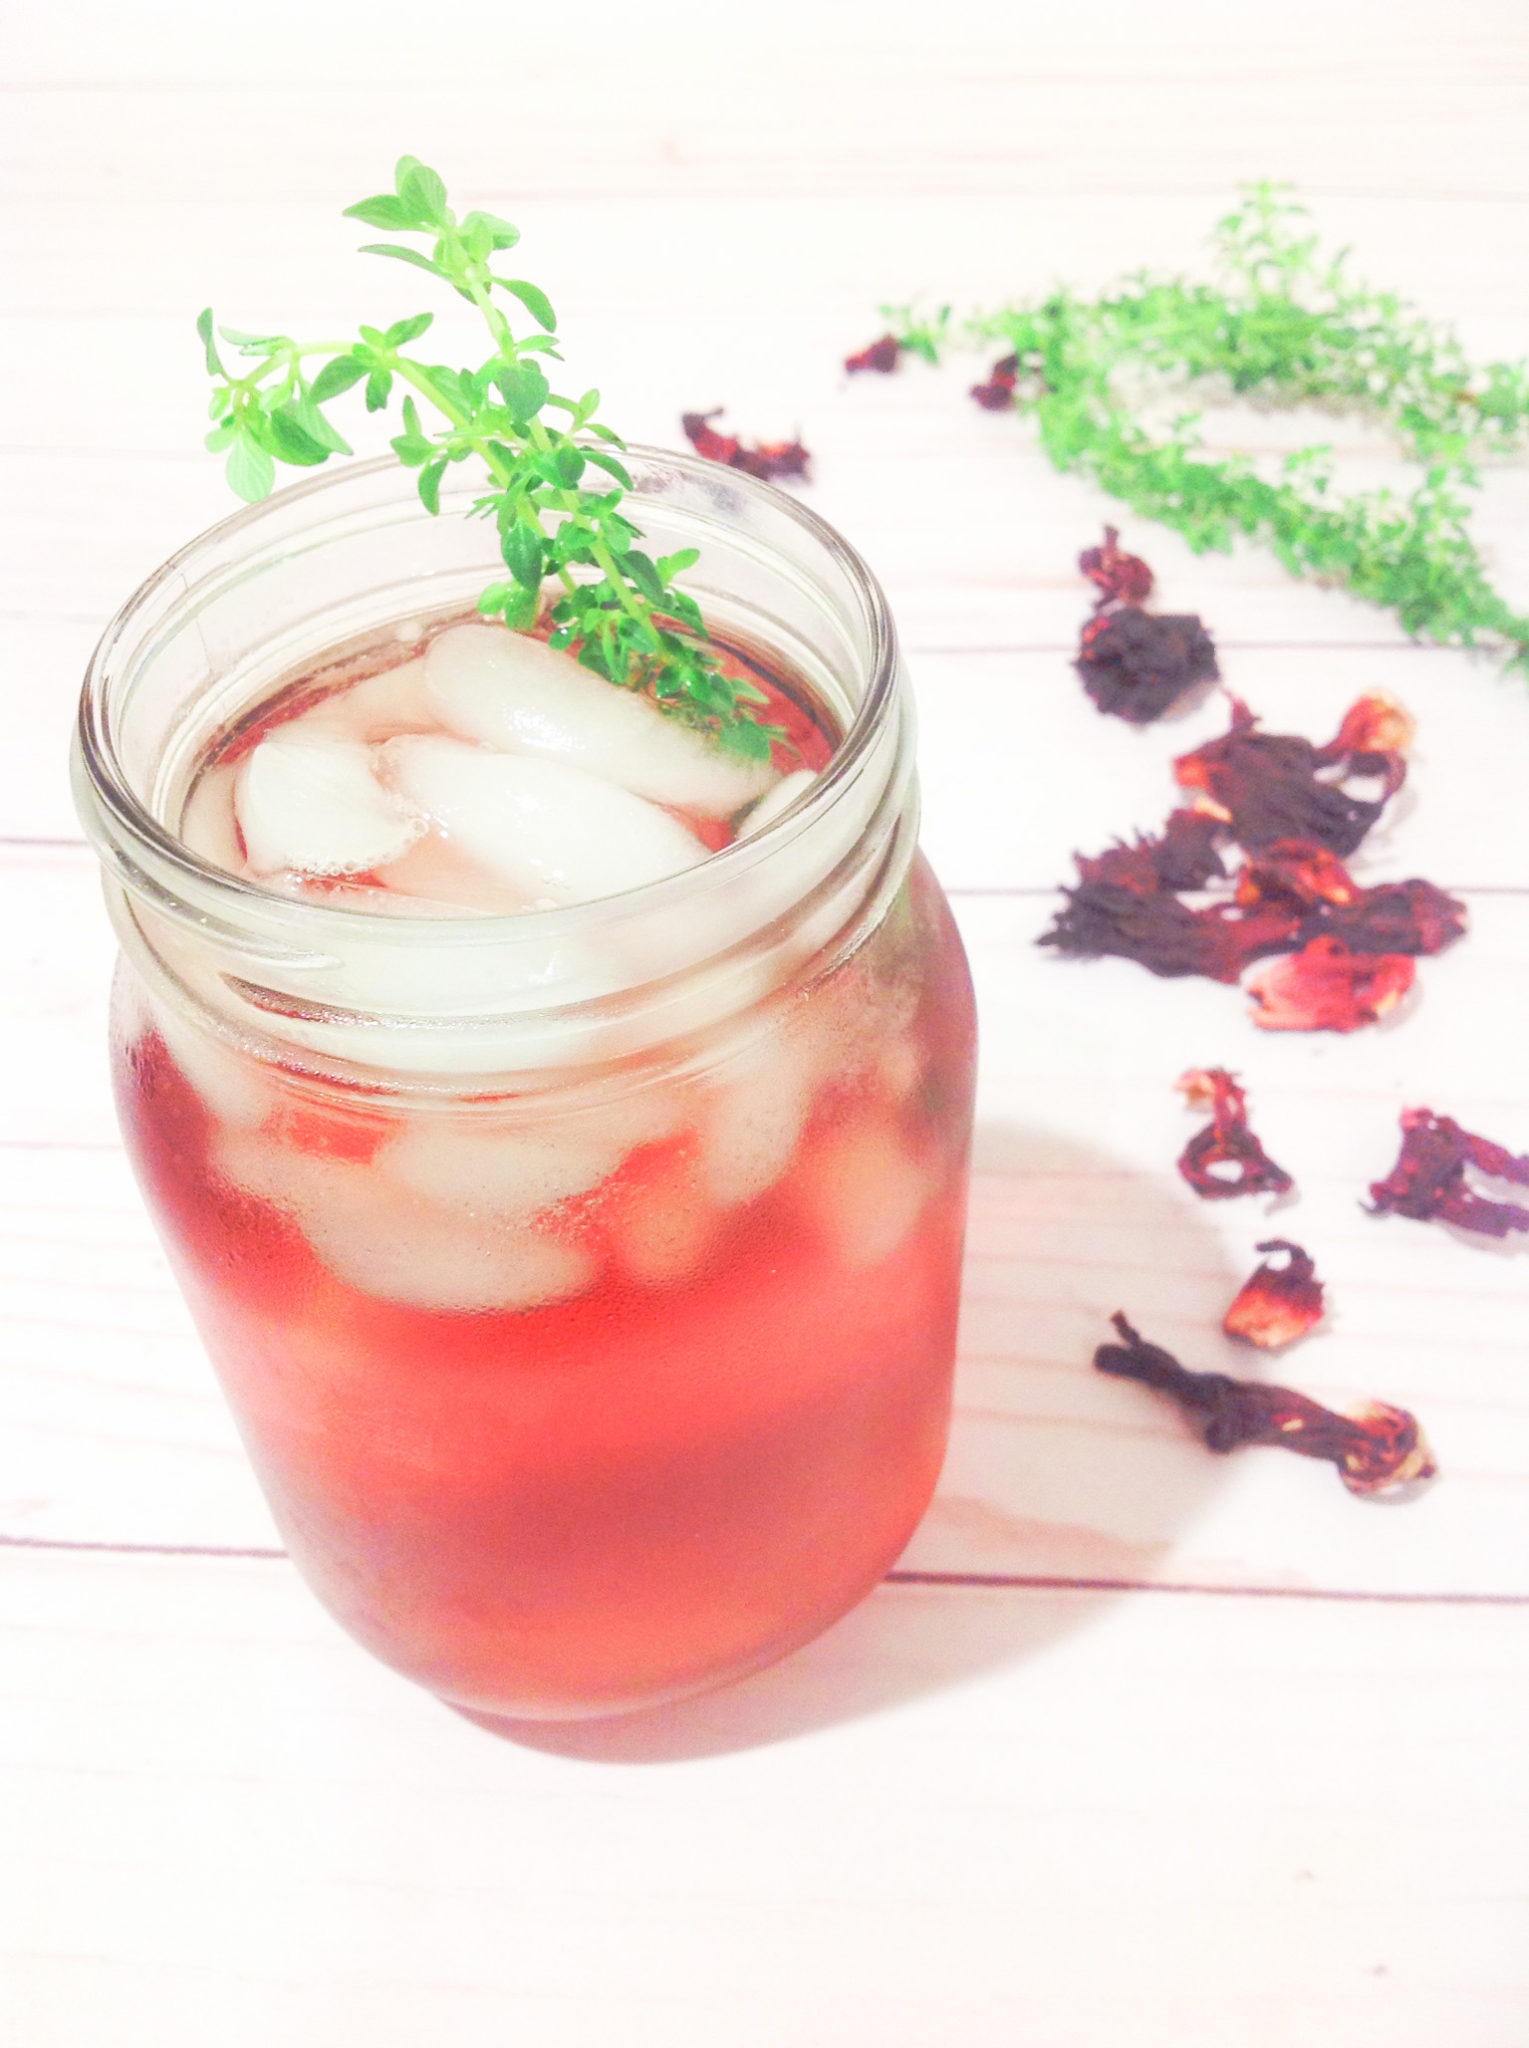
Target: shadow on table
[{"x": 1072, "y": 1485}]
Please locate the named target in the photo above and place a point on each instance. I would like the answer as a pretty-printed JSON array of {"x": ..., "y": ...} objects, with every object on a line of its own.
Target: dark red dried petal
[
  {"x": 881, "y": 356},
  {"x": 1296, "y": 872},
  {"x": 997, "y": 394},
  {"x": 1225, "y": 1141},
  {"x": 1325, "y": 987},
  {"x": 768, "y": 459},
  {"x": 1164, "y": 934},
  {"x": 1373, "y": 739},
  {"x": 704, "y": 438},
  {"x": 1268, "y": 786},
  {"x": 1215, "y": 1089},
  {"x": 1188, "y": 854},
  {"x": 1393, "y": 917},
  {"x": 1399, "y": 917},
  {"x": 1375, "y": 1449},
  {"x": 1184, "y": 855},
  {"x": 1123, "y": 867},
  {"x": 1121, "y": 578},
  {"x": 1429, "y": 1178},
  {"x": 1276, "y": 1304},
  {"x": 1134, "y": 664},
  {"x": 774, "y": 458}
]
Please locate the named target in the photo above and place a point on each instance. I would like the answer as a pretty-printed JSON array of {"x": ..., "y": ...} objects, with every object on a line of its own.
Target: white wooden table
[{"x": 1140, "y": 1747}]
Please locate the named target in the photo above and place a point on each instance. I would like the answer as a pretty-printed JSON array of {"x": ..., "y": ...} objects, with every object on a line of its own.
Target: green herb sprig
[
  {"x": 555, "y": 485},
  {"x": 1286, "y": 326}
]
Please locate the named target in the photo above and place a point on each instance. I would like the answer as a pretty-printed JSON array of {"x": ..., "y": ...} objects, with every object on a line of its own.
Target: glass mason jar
[{"x": 584, "y": 1282}]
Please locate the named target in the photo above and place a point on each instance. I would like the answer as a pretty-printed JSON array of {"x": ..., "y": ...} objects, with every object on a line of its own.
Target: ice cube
[
  {"x": 776, "y": 802},
  {"x": 436, "y": 1260},
  {"x": 543, "y": 827},
  {"x": 207, "y": 826},
  {"x": 310, "y": 803},
  {"x": 864, "y": 1190},
  {"x": 753, "y": 1118},
  {"x": 437, "y": 875},
  {"x": 900, "y": 1067},
  {"x": 232, "y": 1085},
  {"x": 399, "y": 1246},
  {"x": 511, "y": 691},
  {"x": 664, "y": 1229},
  {"x": 501, "y": 1173}
]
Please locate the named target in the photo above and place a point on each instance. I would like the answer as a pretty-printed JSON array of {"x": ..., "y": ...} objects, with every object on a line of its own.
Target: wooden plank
[
  {"x": 984, "y": 105},
  {"x": 959, "y": 1816}
]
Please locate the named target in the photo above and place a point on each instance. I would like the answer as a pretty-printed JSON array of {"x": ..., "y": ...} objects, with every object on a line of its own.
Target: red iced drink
[{"x": 590, "y": 1325}]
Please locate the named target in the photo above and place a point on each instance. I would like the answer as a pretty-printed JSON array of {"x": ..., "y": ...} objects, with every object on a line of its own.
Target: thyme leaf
[{"x": 554, "y": 498}]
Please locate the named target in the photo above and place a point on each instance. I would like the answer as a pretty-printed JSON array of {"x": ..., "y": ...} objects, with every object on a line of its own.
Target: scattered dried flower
[
  {"x": 1271, "y": 786},
  {"x": 1325, "y": 987},
  {"x": 1298, "y": 873},
  {"x": 1226, "y": 1141},
  {"x": 1278, "y": 1303},
  {"x": 767, "y": 460},
  {"x": 1188, "y": 853},
  {"x": 1134, "y": 664},
  {"x": 997, "y": 394},
  {"x": 1429, "y": 1178},
  {"x": 1393, "y": 917},
  {"x": 881, "y": 356},
  {"x": 1377, "y": 1449},
  {"x": 1374, "y": 737},
  {"x": 1112, "y": 912},
  {"x": 1119, "y": 577}
]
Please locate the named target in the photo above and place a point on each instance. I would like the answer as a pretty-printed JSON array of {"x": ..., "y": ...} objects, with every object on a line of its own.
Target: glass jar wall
[{"x": 584, "y": 1281}]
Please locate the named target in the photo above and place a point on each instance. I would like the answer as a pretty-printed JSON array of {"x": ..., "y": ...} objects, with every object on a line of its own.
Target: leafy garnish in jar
[{"x": 555, "y": 478}]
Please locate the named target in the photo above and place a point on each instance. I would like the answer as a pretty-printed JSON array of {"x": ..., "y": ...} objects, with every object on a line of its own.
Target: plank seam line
[
  {"x": 21, "y": 842},
  {"x": 992, "y": 1581},
  {"x": 1042, "y": 1582}
]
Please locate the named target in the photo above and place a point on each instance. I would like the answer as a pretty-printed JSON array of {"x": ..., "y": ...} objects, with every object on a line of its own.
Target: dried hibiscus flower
[
  {"x": 1104, "y": 915},
  {"x": 1226, "y": 1141},
  {"x": 1124, "y": 905},
  {"x": 1279, "y": 1302},
  {"x": 1134, "y": 664},
  {"x": 1272, "y": 786},
  {"x": 767, "y": 460},
  {"x": 1184, "y": 855},
  {"x": 1429, "y": 1178},
  {"x": 1392, "y": 917},
  {"x": 1119, "y": 578},
  {"x": 1374, "y": 736},
  {"x": 1325, "y": 987},
  {"x": 1375, "y": 1449},
  {"x": 881, "y": 356},
  {"x": 1187, "y": 854},
  {"x": 997, "y": 394}
]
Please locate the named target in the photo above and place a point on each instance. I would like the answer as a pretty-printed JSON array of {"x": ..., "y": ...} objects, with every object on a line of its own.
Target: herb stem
[
  {"x": 1289, "y": 327},
  {"x": 623, "y": 616}
]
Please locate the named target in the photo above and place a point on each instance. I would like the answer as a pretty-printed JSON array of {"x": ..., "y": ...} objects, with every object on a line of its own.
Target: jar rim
[{"x": 110, "y": 790}]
